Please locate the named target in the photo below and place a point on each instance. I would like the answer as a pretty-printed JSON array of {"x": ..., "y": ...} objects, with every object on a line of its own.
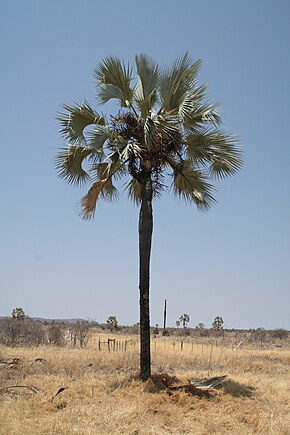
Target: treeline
[
  {"x": 29, "y": 332},
  {"x": 20, "y": 329}
]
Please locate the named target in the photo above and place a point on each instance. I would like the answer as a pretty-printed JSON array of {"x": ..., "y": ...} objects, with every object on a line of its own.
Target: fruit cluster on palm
[{"x": 165, "y": 135}]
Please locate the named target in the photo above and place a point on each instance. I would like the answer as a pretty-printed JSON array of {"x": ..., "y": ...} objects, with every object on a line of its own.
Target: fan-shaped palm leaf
[
  {"x": 177, "y": 82},
  {"x": 216, "y": 148},
  {"x": 98, "y": 136},
  {"x": 189, "y": 184},
  {"x": 68, "y": 164},
  {"x": 133, "y": 188},
  {"x": 113, "y": 81},
  {"x": 146, "y": 89},
  {"x": 76, "y": 119}
]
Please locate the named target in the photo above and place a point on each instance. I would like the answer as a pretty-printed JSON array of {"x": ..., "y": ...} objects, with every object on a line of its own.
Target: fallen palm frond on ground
[
  {"x": 206, "y": 384},
  {"x": 206, "y": 387}
]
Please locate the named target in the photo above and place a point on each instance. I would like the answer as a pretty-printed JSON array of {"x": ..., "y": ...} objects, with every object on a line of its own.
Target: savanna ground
[{"x": 99, "y": 391}]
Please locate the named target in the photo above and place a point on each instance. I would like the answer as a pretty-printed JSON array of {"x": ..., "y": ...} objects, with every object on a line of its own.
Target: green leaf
[
  {"x": 146, "y": 88},
  {"x": 191, "y": 101},
  {"x": 98, "y": 136},
  {"x": 204, "y": 116},
  {"x": 149, "y": 131},
  {"x": 219, "y": 150},
  {"x": 108, "y": 92},
  {"x": 190, "y": 184},
  {"x": 113, "y": 74},
  {"x": 68, "y": 164},
  {"x": 106, "y": 170},
  {"x": 177, "y": 81},
  {"x": 76, "y": 119}
]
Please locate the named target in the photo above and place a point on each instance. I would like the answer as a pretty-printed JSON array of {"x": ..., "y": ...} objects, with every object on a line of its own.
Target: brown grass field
[{"x": 99, "y": 391}]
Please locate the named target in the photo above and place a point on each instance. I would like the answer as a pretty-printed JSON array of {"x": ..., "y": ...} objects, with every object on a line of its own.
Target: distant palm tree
[
  {"x": 184, "y": 319},
  {"x": 165, "y": 131}
]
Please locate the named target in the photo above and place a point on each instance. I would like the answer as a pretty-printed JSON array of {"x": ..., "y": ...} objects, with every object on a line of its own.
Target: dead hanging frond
[{"x": 89, "y": 201}]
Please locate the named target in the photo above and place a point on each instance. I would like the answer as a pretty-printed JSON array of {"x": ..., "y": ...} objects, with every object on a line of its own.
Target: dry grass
[{"x": 102, "y": 395}]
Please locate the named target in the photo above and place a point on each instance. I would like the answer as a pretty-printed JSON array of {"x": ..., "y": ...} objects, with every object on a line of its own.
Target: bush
[
  {"x": 26, "y": 332},
  {"x": 55, "y": 334}
]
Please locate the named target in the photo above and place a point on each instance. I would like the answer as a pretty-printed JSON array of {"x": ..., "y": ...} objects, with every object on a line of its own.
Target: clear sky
[{"x": 233, "y": 261}]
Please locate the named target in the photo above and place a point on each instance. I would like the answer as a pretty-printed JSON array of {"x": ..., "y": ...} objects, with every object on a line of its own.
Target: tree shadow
[{"x": 238, "y": 390}]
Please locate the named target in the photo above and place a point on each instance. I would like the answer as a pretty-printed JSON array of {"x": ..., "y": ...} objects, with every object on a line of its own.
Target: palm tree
[
  {"x": 184, "y": 319},
  {"x": 165, "y": 135}
]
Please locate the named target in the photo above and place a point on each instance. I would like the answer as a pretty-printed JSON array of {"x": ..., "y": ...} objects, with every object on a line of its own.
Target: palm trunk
[{"x": 145, "y": 239}]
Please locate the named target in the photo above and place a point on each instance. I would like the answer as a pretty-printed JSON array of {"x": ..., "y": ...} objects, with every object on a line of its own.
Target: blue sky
[{"x": 233, "y": 261}]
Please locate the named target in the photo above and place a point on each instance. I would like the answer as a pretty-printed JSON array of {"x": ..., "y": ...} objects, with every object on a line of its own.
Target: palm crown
[{"x": 164, "y": 124}]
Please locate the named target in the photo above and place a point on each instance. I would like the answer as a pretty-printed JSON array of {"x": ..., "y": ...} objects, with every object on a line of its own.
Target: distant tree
[
  {"x": 200, "y": 326},
  {"x": 156, "y": 330},
  {"x": 217, "y": 324},
  {"x": 177, "y": 323},
  {"x": 280, "y": 333},
  {"x": 259, "y": 335},
  {"x": 32, "y": 333},
  {"x": 184, "y": 319},
  {"x": 80, "y": 333},
  {"x": 55, "y": 334},
  {"x": 18, "y": 313},
  {"x": 165, "y": 332},
  {"x": 112, "y": 322}
]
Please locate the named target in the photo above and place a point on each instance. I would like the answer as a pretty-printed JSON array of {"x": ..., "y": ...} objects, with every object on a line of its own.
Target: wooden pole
[{"x": 164, "y": 315}]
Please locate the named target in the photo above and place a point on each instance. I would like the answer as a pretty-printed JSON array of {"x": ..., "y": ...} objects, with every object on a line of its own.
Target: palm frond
[
  {"x": 98, "y": 136},
  {"x": 103, "y": 188},
  {"x": 146, "y": 88},
  {"x": 177, "y": 81},
  {"x": 114, "y": 168},
  {"x": 109, "y": 192},
  {"x": 150, "y": 131},
  {"x": 76, "y": 119},
  {"x": 202, "y": 115},
  {"x": 161, "y": 130},
  {"x": 134, "y": 190},
  {"x": 131, "y": 150},
  {"x": 190, "y": 184},
  {"x": 112, "y": 72},
  {"x": 219, "y": 150},
  {"x": 191, "y": 101},
  {"x": 68, "y": 164},
  {"x": 89, "y": 201},
  {"x": 109, "y": 92}
]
